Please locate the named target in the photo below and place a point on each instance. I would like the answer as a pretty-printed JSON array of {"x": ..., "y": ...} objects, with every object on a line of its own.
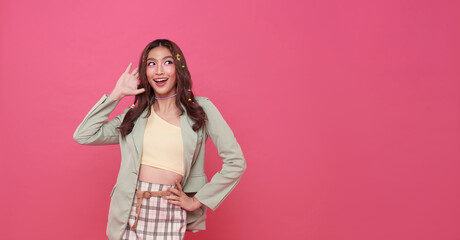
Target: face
[{"x": 161, "y": 71}]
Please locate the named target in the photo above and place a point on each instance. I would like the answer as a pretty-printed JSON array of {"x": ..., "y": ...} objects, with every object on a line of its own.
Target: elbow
[
  {"x": 243, "y": 166},
  {"x": 79, "y": 139},
  {"x": 238, "y": 165}
]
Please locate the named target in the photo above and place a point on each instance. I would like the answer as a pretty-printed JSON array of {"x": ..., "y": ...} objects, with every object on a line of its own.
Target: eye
[
  {"x": 169, "y": 62},
  {"x": 151, "y": 64}
]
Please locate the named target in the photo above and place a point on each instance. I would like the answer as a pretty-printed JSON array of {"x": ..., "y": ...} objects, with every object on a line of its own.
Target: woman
[{"x": 161, "y": 188}]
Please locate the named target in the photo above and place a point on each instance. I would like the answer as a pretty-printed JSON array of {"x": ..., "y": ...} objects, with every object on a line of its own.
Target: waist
[{"x": 157, "y": 175}]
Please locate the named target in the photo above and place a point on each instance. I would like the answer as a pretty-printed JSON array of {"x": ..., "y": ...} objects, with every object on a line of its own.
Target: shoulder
[
  {"x": 203, "y": 101},
  {"x": 200, "y": 99},
  {"x": 207, "y": 105}
]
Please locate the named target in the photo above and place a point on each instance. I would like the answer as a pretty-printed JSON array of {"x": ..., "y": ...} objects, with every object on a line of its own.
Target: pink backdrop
[{"x": 348, "y": 113}]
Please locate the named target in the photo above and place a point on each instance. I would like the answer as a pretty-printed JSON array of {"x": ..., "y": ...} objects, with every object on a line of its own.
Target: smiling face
[{"x": 161, "y": 71}]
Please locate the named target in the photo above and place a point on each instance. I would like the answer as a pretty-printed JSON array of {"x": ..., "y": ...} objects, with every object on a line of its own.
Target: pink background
[{"x": 348, "y": 113}]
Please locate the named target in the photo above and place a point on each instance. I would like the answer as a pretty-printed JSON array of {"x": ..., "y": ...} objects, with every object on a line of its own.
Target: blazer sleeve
[
  {"x": 95, "y": 129},
  {"x": 222, "y": 183}
]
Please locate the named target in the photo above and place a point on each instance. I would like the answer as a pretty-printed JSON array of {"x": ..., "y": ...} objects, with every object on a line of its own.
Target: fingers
[
  {"x": 129, "y": 67},
  {"x": 175, "y": 203},
  {"x": 175, "y": 191},
  {"x": 172, "y": 197},
  {"x": 178, "y": 186},
  {"x": 139, "y": 91},
  {"x": 136, "y": 71}
]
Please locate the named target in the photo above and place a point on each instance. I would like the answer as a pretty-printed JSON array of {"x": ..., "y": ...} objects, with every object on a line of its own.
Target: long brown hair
[{"x": 147, "y": 98}]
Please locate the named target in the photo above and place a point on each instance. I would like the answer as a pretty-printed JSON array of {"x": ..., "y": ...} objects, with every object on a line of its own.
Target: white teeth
[{"x": 160, "y": 80}]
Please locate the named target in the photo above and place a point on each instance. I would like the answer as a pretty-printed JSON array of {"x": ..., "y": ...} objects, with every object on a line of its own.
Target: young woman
[{"x": 161, "y": 188}]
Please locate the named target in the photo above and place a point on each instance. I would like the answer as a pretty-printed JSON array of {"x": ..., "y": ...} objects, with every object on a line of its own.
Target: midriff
[{"x": 157, "y": 175}]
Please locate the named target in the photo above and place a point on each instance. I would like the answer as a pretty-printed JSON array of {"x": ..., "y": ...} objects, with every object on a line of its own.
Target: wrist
[
  {"x": 197, "y": 203},
  {"x": 116, "y": 95}
]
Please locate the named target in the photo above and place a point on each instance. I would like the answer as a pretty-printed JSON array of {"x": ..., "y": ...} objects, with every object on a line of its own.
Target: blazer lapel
[
  {"x": 138, "y": 135},
  {"x": 189, "y": 138}
]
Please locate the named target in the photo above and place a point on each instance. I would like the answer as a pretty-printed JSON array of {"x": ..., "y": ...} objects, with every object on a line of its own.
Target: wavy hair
[{"x": 147, "y": 98}]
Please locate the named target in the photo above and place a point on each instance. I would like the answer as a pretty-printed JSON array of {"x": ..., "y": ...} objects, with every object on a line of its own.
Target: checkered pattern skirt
[{"x": 158, "y": 219}]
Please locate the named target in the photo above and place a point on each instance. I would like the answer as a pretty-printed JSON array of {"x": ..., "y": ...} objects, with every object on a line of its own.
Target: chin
[{"x": 163, "y": 92}]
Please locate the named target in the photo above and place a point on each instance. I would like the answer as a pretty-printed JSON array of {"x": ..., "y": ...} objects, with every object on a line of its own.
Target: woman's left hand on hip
[{"x": 181, "y": 199}]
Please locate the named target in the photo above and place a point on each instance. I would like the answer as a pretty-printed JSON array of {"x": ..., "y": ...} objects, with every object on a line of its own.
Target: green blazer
[{"x": 96, "y": 130}]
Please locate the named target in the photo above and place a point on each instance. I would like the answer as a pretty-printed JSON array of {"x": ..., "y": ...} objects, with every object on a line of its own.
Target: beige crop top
[{"x": 163, "y": 147}]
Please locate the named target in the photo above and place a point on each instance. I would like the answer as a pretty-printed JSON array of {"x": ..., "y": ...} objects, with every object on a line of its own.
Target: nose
[{"x": 159, "y": 70}]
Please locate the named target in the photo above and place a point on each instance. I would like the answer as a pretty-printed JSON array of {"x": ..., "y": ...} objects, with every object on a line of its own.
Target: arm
[
  {"x": 95, "y": 129},
  {"x": 222, "y": 183}
]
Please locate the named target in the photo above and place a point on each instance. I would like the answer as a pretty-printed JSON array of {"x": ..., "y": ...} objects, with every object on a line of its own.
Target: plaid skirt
[{"x": 158, "y": 219}]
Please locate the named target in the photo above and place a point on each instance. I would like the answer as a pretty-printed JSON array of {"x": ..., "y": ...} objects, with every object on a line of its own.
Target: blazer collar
[{"x": 189, "y": 137}]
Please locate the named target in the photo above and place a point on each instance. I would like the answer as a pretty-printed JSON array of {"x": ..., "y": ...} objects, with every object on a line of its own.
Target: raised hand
[{"x": 127, "y": 84}]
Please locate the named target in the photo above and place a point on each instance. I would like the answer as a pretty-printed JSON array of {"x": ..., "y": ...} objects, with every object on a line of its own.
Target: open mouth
[{"x": 160, "y": 80}]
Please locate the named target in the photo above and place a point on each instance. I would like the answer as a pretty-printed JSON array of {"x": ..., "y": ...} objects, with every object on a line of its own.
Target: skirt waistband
[{"x": 148, "y": 186}]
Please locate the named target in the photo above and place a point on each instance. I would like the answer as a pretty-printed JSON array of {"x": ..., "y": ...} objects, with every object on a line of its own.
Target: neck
[{"x": 165, "y": 105}]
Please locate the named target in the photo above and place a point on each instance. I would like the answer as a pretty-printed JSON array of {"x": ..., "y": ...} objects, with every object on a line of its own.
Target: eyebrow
[{"x": 162, "y": 58}]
